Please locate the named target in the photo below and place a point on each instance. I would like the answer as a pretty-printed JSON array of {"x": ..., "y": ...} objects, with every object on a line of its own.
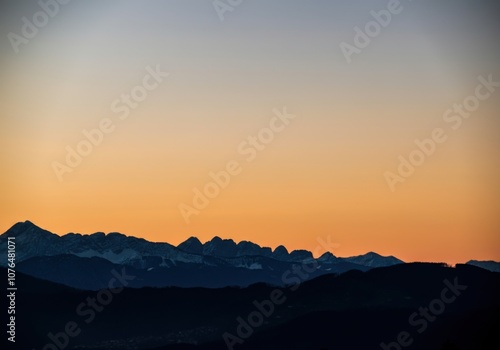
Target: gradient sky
[{"x": 322, "y": 176}]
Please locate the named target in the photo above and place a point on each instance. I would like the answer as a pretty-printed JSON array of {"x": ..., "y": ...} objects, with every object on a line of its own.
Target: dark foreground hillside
[{"x": 424, "y": 306}]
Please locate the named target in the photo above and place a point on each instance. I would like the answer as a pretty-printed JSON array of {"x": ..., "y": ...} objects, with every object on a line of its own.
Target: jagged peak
[
  {"x": 117, "y": 234},
  {"x": 372, "y": 254},
  {"x": 218, "y": 240},
  {"x": 72, "y": 234},
  {"x": 23, "y": 226},
  {"x": 327, "y": 255},
  {"x": 280, "y": 249},
  {"x": 98, "y": 235},
  {"x": 191, "y": 240},
  {"x": 300, "y": 251},
  {"x": 377, "y": 255},
  {"x": 301, "y": 254},
  {"x": 191, "y": 245},
  {"x": 248, "y": 243}
]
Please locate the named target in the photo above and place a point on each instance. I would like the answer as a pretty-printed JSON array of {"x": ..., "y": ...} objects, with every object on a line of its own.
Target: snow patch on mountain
[{"x": 123, "y": 257}]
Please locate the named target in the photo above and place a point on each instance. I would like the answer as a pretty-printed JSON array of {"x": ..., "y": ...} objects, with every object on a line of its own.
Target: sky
[{"x": 225, "y": 73}]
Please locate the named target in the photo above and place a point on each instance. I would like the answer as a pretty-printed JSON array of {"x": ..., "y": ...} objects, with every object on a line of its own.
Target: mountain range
[
  {"x": 197, "y": 295},
  {"x": 86, "y": 261}
]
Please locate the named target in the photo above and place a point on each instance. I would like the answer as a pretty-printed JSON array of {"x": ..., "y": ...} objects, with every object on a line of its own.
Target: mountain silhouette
[
  {"x": 216, "y": 263},
  {"x": 198, "y": 295}
]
